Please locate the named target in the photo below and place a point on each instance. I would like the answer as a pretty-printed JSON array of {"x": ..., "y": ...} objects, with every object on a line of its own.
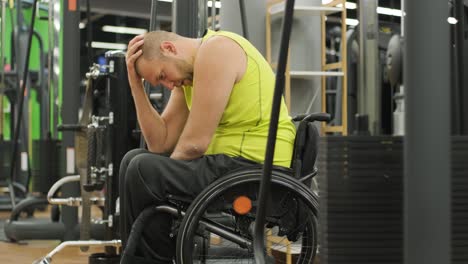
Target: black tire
[
  {"x": 222, "y": 190},
  {"x": 103, "y": 258}
]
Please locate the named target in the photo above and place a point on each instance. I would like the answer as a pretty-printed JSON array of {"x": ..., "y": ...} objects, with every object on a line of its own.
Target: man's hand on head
[{"x": 134, "y": 51}]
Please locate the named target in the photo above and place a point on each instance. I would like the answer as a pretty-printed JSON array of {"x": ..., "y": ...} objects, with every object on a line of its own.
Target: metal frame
[
  {"x": 48, "y": 259},
  {"x": 268, "y": 21},
  {"x": 343, "y": 65},
  {"x": 343, "y": 129}
]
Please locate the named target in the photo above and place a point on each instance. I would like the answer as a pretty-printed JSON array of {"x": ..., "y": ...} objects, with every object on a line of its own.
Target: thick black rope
[{"x": 259, "y": 243}]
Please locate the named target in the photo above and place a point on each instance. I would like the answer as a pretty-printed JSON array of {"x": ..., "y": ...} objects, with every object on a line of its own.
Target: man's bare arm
[
  {"x": 218, "y": 65},
  {"x": 161, "y": 132}
]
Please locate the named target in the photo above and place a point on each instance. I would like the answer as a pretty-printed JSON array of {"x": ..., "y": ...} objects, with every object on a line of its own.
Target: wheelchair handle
[
  {"x": 322, "y": 117},
  {"x": 70, "y": 127}
]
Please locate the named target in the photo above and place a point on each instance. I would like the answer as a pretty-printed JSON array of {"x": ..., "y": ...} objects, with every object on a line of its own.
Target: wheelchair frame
[{"x": 291, "y": 179}]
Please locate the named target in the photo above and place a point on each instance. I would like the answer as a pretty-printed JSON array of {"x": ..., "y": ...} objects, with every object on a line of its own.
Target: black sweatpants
[{"x": 147, "y": 178}]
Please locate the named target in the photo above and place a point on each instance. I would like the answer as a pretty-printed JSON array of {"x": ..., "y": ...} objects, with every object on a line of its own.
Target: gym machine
[
  {"x": 6, "y": 146},
  {"x": 106, "y": 131},
  {"x": 374, "y": 209},
  {"x": 102, "y": 137},
  {"x": 45, "y": 164},
  {"x": 19, "y": 182},
  {"x": 12, "y": 175}
]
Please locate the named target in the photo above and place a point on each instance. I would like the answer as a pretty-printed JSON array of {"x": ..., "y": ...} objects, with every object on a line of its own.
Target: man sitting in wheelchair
[{"x": 216, "y": 122}]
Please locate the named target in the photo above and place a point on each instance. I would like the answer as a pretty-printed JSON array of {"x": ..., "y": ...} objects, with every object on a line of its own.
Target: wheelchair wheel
[{"x": 213, "y": 232}]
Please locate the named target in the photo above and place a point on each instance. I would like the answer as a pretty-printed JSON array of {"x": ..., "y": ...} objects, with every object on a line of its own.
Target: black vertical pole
[
  {"x": 89, "y": 32},
  {"x": 259, "y": 243},
  {"x": 427, "y": 194},
  {"x": 457, "y": 63},
  {"x": 70, "y": 53},
  {"x": 189, "y": 18},
  {"x": 460, "y": 71},
  {"x": 154, "y": 15},
  {"x": 245, "y": 26},
  {"x": 464, "y": 93}
]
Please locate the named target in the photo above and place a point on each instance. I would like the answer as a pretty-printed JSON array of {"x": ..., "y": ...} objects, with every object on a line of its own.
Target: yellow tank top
[{"x": 243, "y": 129}]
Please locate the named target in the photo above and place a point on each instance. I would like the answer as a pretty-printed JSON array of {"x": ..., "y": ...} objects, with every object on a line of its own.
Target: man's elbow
[
  {"x": 191, "y": 147},
  {"x": 157, "y": 146},
  {"x": 188, "y": 151},
  {"x": 196, "y": 149}
]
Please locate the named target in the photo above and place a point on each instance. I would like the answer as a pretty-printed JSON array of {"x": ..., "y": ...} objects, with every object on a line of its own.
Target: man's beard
[{"x": 185, "y": 69}]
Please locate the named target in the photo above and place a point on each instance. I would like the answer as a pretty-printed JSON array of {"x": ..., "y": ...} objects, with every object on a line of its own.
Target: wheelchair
[{"x": 217, "y": 226}]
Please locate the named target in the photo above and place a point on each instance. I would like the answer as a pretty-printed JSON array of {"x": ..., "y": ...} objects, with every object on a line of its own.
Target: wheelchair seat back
[{"x": 305, "y": 149}]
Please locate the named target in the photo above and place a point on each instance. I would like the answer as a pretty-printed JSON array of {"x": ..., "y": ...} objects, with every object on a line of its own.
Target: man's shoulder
[
  {"x": 217, "y": 41},
  {"x": 222, "y": 49}
]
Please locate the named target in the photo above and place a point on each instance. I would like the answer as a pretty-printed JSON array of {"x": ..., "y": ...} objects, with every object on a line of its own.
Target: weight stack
[
  {"x": 460, "y": 200},
  {"x": 122, "y": 105},
  {"x": 120, "y": 134},
  {"x": 361, "y": 199}
]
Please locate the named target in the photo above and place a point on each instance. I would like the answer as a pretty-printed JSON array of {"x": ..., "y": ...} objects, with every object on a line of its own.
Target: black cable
[
  {"x": 20, "y": 109},
  {"x": 154, "y": 16},
  {"x": 89, "y": 31},
  {"x": 259, "y": 243},
  {"x": 245, "y": 30},
  {"x": 153, "y": 26}
]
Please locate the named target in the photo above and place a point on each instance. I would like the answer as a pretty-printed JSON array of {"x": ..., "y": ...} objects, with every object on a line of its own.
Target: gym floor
[{"x": 29, "y": 251}]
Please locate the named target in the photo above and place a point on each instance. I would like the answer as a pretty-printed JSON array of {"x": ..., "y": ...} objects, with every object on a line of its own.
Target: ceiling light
[
  {"x": 124, "y": 30},
  {"x": 380, "y": 10},
  {"x": 349, "y": 21},
  {"x": 352, "y": 22},
  {"x": 389, "y": 11},
  {"x": 348, "y": 5},
  {"x": 452, "y": 20},
  {"x": 108, "y": 45},
  {"x": 217, "y": 4}
]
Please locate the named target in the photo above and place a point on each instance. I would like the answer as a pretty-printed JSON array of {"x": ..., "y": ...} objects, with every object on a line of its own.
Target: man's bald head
[
  {"x": 152, "y": 44},
  {"x": 151, "y": 47}
]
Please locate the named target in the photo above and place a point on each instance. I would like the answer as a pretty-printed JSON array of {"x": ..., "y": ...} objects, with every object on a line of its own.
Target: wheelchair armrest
[{"x": 322, "y": 117}]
